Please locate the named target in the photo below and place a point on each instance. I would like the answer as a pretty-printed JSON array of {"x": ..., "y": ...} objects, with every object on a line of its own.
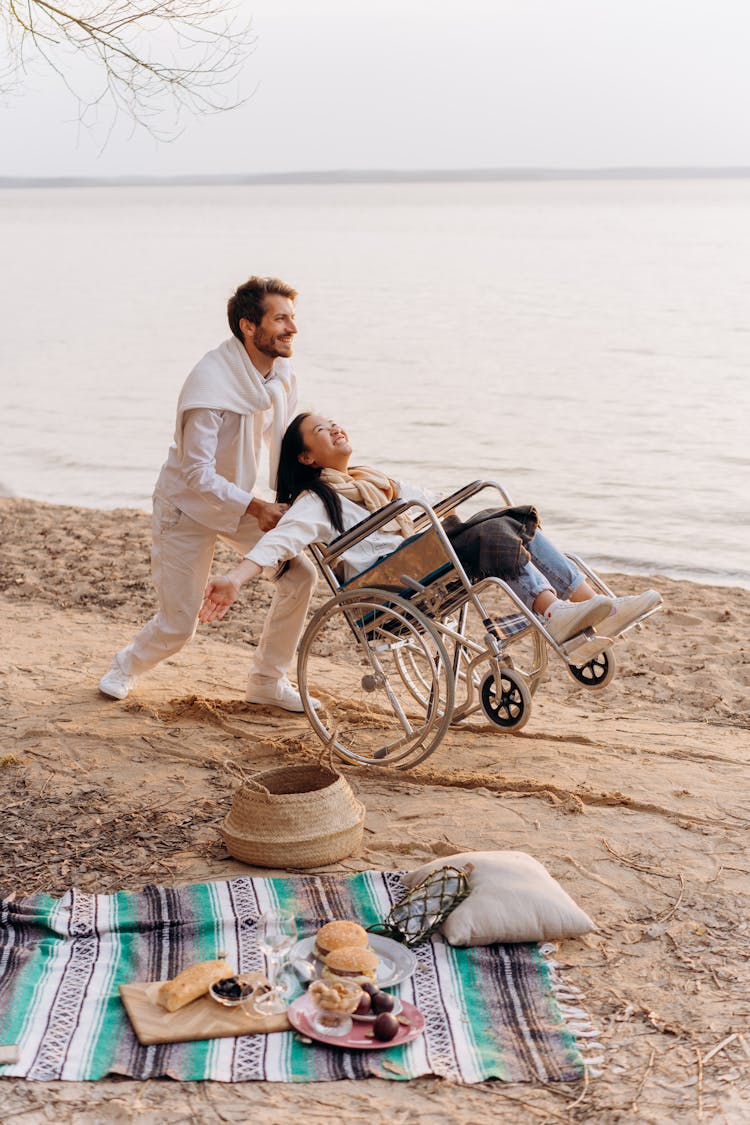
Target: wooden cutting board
[{"x": 202, "y": 1019}]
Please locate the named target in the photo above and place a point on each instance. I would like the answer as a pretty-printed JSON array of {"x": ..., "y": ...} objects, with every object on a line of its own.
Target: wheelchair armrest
[
  {"x": 448, "y": 503},
  {"x": 428, "y": 515}
]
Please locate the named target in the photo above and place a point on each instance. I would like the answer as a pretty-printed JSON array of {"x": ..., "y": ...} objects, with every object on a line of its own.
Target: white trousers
[{"x": 181, "y": 556}]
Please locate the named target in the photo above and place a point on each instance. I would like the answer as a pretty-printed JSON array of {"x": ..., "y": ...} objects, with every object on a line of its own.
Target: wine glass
[{"x": 277, "y": 933}]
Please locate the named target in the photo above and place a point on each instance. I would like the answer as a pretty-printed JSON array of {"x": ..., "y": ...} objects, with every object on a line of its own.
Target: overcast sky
[{"x": 424, "y": 84}]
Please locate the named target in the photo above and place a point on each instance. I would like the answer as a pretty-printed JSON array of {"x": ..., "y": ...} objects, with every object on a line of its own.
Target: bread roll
[
  {"x": 334, "y": 935},
  {"x": 351, "y": 963},
  {"x": 192, "y": 983}
]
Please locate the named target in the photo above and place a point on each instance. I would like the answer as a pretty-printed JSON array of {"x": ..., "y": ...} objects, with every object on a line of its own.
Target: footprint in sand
[
  {"x": 719, "y": 615},
  {"x": 684, "y": 618}
]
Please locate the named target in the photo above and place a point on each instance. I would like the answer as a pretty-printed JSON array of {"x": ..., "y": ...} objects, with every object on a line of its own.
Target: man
[{"x": 239, "y": 395}]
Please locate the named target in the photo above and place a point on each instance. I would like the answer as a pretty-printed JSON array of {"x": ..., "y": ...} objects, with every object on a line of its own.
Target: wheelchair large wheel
[
  {"x": 353, "y": 658},
  {"x": 416, "y": 671},
  {"x": 596, "y": 673},
  {"x": 509, "y": 707},
  {"x": 415, "y": 667}
]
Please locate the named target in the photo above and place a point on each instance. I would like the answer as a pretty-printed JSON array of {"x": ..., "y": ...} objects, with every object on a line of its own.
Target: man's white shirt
[{"x": 200, "y": 483}]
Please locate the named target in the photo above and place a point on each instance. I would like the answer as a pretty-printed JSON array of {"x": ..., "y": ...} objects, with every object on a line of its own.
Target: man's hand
[
  {"x": 267, "y": 514},
  {"x": 220, "y": 594}
]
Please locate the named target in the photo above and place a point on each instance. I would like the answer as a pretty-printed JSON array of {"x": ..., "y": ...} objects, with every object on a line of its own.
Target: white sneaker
[
  {"x": 116, "y": 683},
  {"x": 566, "y": 619},
  {"x": 627, "y": 611},
  {"x": 278, "y": 693}
]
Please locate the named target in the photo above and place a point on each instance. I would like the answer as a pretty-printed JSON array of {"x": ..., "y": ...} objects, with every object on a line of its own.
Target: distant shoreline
[{"x": 383, "y": 176}]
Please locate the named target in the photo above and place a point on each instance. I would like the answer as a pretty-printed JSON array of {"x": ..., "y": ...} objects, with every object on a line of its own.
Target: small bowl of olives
[{"x": 231, "y": 992}]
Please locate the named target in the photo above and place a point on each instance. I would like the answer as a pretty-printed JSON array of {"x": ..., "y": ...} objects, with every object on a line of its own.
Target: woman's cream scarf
[{"x": 372, "y": 489}]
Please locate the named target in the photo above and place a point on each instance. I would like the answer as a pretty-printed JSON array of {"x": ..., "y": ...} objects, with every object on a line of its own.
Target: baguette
[{"x": 192, "y": 983}]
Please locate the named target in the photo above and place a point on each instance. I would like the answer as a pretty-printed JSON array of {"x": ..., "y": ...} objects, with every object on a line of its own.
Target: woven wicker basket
[{"x": 293, "y": 817}]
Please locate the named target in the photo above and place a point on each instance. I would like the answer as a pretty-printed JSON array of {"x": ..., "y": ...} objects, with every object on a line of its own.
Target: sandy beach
[{"x": 635, "y": 798}]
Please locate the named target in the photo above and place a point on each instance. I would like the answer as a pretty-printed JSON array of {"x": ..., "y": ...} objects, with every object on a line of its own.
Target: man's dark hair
[{"x": 250, "y": 300}]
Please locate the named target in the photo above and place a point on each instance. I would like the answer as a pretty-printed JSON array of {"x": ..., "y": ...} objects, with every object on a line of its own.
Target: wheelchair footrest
[{"x": 584, "y": 647}]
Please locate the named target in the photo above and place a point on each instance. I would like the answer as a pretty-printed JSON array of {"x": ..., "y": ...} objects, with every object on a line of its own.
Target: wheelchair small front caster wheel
[
  {"x": 597, "y": 672},
  {"x": 509, "y": 707}
]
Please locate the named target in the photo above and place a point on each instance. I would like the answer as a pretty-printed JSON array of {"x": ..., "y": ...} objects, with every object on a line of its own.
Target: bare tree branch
[{"x": 146, "y": 56}]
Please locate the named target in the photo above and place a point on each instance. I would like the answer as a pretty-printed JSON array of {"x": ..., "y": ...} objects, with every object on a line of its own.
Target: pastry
[{"x": 191, "y": 983}]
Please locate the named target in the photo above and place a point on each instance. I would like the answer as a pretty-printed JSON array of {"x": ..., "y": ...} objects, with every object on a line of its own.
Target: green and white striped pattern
[{"x": 490, "y": 1012}]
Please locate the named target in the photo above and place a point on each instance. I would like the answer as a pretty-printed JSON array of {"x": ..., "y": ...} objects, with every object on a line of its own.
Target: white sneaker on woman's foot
[
  {"x": 115, "y": 683},
  {"x": 628, "y": 610},
  {"x": 278, "y": 693},
  {"x": 565, "y": 619}
]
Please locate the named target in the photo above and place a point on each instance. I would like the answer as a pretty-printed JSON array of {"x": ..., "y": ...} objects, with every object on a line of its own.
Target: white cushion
[{"x": 512, "y": 898}]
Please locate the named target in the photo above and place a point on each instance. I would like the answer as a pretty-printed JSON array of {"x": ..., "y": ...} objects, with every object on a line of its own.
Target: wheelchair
[{"x": 411, "y": 646}]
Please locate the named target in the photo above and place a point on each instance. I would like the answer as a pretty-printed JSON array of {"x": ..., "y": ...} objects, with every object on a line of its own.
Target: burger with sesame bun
[
  {"x": 338, "y": 935},
  {"x": 351, "y": 963}
]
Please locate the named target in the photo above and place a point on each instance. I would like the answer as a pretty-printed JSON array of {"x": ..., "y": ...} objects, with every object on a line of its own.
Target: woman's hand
[
  {"x": 222, "y": 592},
  {"x": 219, "y": 595}
]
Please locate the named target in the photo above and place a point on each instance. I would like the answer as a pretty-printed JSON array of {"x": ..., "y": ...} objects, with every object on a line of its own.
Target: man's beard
[{"x": 266, "y": 346}]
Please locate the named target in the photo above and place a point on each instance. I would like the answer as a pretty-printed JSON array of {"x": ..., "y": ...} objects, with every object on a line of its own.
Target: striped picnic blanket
[{"x": 490, "y": 1012}]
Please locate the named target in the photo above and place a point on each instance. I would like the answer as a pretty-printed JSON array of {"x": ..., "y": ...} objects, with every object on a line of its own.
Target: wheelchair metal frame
[{"x": 421, "y": 624}]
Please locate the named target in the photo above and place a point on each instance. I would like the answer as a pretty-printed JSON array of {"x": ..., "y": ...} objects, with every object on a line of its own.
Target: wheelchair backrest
[{"x": 420, "y": 559}]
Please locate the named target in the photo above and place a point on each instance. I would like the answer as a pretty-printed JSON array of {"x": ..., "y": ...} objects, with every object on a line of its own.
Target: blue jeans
[{"x": 548, "y": 570}]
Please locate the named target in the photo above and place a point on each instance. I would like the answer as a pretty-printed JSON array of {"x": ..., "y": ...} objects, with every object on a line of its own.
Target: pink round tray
[{"x": 300, "y": 1013}]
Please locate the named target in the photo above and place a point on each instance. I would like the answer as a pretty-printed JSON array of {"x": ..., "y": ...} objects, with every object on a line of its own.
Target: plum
[
  {"x": 382, "y": 1002},
  {"x": 385, "y": 1027},
  {"x": 364, "y": 1006}
]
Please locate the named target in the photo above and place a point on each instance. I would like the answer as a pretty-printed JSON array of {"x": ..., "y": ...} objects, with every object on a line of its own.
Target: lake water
[{"x": 587, "y": 343}]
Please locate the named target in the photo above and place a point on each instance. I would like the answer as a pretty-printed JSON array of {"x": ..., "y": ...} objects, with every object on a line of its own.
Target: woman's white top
[{"x": 308, "y": 522}]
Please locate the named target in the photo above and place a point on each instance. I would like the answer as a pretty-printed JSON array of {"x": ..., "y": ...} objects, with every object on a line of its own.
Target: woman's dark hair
[{"x": 294, "y": 477}]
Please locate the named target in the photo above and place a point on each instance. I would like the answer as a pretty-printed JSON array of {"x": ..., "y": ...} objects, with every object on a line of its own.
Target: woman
[{"x": 327, "y": 496}]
